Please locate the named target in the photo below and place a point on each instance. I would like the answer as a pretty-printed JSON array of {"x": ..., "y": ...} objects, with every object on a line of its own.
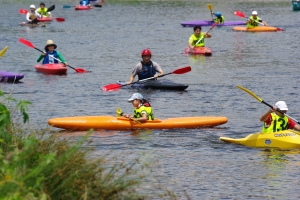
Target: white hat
[
  {"x": 135, "y": 96},
  {"x": 50, "y": 43},
  {"x": 254, "y": 13},
  {"x": 281, "y": 105},
  {"x": 32, "y": 6}
]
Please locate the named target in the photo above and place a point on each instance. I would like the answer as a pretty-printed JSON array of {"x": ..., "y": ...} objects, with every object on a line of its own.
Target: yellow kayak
[
  {"x": 287, "y": 139},
  {"x": 121, "y": 123},
  {"x": 256, "y": 29}
]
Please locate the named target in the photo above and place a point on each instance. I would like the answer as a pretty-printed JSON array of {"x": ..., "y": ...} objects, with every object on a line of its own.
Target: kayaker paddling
[
  {"x": 197, "y": 38},
  {"x": 254, "y": 20},
  {"x": 142, "y": 108},
  {"x": 49, "y": 54},
  {"x": 43, "y": 11},
  {"x": 220, "y": 18},
  {"x": 85, "y": 3},
  {"x": 146, "y": 68},
  {"x": 275, "y": 121},
  {"x": 32, "y": 15}
]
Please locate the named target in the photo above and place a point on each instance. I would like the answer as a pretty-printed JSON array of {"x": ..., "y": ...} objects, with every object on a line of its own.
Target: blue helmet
[{"x": 218, "y": 14}]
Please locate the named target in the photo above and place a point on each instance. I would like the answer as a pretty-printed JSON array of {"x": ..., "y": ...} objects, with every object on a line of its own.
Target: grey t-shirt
[{"x": 138, "y": 68}]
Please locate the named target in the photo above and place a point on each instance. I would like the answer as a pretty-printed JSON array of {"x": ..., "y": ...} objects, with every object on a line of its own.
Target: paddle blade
[
  {"x": 209, "y": 7},
  {"x": 26, "y": 42},
  {"x": 111, "y": 87},
  {"x": 98, "y": 5},
  {"x": 66, "y": 6},
  {"x": 80, "y": 70},
  {"x": 51, "y": 8},
  {"x": 249, "y": 92},
  {"x": 3, "y": 51},
  {"x": 119, "y": 112},
  {"x": 239, "y": 14},
  {"x": 23, "y": 11},
  {"x": 182, "y": 70},
  {"x": 60, "y": 19},
  {"x": 280, "y": 29}
]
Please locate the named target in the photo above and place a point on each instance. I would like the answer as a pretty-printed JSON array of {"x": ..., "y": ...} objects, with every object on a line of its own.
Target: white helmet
[
  {"x": 254, "y": 13},
  {"x": 32, "y": 6}
]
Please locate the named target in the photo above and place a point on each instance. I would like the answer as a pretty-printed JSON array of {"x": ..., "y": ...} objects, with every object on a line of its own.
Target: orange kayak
[
  {"x": 198, "y": 51},
  {"x": 122, "y": 123},
  {"x": 256, "y": 29}
]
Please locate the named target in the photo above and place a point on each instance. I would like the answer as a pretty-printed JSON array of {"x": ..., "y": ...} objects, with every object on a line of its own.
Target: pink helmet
[{"x": 146, "y": 52}]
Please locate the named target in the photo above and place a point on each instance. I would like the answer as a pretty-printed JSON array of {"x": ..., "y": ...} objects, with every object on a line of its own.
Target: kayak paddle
[
  {"x": 29, "y": 44},
  {"x": 68, "y": 6},
  {"x": 3, "y": 51},
  {"x": 210, "y": 8},
  {"x": 240, "y": 14},
  {"x": 262, "y": 101},
  {"x": 120, "y": 113},
  {"x": 116, "y": 86}
]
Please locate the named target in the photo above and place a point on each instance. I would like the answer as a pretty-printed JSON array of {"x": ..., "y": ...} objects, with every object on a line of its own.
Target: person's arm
[
  {"x": 144, "y": 117},
  {"x": 265, "y": 116},
  {"x": 190, "y": 43},
  {"x": 207, "y": 35},
  {"x": 27, "y": 17},
  {"x": 38, "y": 15},
  {"x": 61, "y": 58},
  {"x": 131, "y": 79},
  {"x": 158, "y": 69},
  {"x": 297, "y": 127},
  {"x": 265, "y": 23},
  {"x": 134, "y": 73},
  {"x": 41, "y": 57},
  {"x": 49, "y": 14}
]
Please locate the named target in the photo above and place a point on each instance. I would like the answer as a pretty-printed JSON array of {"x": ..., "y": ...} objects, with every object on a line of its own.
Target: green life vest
[
  {"x": 252, "y": 23},
  {"x": 278, "y": 124},
  {"x": 43, "y": 12},
  {"x": 222, "y": 19},
  {"x": 195, "y": 40},
  {"x": 138, "y": 112}
]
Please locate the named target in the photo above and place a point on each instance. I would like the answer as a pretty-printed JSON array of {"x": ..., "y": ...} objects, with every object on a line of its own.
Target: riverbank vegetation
[{"x": 37, "y": 165}]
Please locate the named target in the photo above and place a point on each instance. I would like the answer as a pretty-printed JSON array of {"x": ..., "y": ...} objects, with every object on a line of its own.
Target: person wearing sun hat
[
  {"x": 32, "y": 16},
  {"x": 142, "y": 108},
  {"x": 274, "y": 121},
  {"x": 49, "y": 54},
  {"x": 220, "y": 18},
  {"x": 254, "y": 19}
]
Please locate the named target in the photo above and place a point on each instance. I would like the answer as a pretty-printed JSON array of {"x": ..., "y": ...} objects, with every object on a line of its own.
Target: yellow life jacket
[
  {"x": 148, "y": 109},
  {"x": 278, "y": 124},
  {"x": 43, "y": 12},
  {"x": 218, "y": 19},
  {"x": 195, "y": 40},
  {"x": 252, "y": 23}
]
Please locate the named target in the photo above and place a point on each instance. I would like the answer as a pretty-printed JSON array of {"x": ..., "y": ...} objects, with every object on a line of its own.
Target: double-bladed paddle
[
  {"x": 95, "y": 5},
  {"x": 116, "y": 86},
  {"x": 240, "y": 14},
  {"x": 119, "y": 113},
  {"x": 262, "y": 101},
  {"x": 29, "y": 44},
  {"x": 3, "y": 51},
  {"x": 210, "y": 8}
]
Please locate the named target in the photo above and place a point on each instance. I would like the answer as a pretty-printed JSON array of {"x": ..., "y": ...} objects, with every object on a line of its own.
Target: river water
[{"x": 108, "y": 42}]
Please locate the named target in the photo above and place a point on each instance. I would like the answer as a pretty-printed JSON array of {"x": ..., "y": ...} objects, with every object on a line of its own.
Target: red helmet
[{"x": 146, "y": 52}]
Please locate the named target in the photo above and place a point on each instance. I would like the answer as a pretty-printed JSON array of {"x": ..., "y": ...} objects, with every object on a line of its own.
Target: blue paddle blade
[{"x": 66, "y": 6}]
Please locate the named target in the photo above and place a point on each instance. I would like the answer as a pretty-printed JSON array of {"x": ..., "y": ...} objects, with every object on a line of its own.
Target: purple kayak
[
  {"x": 10, "y": 76},
  {"x": 210, "y": 23}
]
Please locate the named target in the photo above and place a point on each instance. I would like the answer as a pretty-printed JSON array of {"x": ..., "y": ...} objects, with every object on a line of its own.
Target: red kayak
[
  {"x": 45, "y": 19},
  {"x": 57, "y": 69},
  {"x": 83, "y": 7},
  {"x": 198, "y": 51}
]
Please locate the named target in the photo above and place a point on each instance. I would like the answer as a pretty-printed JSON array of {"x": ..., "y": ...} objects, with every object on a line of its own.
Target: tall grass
[{"x": 33, "y": 166}]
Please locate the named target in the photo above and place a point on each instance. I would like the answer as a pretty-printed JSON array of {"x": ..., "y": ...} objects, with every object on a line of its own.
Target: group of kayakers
[{"x": 33, "y": 14}]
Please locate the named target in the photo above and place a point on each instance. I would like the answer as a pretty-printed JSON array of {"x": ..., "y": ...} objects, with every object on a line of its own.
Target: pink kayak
[
  {"x": 198, "y": 51},
  {"x": 45, "y": 19},
  {"x": 57, "y": 69},
  {"x": 83, "y": 7}
]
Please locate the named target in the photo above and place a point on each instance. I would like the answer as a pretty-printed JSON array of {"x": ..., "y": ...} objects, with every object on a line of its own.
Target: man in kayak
[
  {"x": 254, "y": 20},
  {"x": 50, "y": 54},
  {"x": 142, "y": 108},
  {"x": 220, "y": 18},
  {"x": 43, "y": 11},
  {"x": 32, "y": 16},
  {"x": 274, "y": 121},
  {"x": 146, "y": 68},
  {"x": 85, "y": 3},
  {"x": 197, "y": 38}
]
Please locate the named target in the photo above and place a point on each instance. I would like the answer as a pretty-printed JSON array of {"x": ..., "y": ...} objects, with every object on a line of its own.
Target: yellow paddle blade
[
  {"x": 3, "y": 51},
  {"x": 119, "y": 112},
  {"x": 249, "y": 92},
  {"x": 209, "y": 7}
]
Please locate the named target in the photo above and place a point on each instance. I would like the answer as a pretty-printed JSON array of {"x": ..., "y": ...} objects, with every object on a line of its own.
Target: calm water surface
[{"x": 108, "y": 41}]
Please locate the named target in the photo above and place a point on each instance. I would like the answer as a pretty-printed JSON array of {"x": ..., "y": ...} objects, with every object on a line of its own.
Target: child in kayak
[
  {"x": 85, "y": 3},
  {"x": 220, "y": 18},
  {"x": 254, "y": 20},
  {"x": 142, "y": 108},
  {"x": 197, "y": 38},
  {"x": 32, "y": 16},
  {"x": 50, "y": 54},
  {"x": 146, "y": 68},
  {"x": 274, "y": 121},
  {"x": 43, "y": 11}
]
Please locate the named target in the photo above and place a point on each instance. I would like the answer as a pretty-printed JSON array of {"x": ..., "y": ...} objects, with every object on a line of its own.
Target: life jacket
[
  {"x": 222, "y": 19},
  {"x": 144, "y": 107},
  {"x": 43, "y": 12},
  {"x": 84, "y": 2},
  {"x": 253, "y": 23},
  {"x": 147, "y": 70},
  {"x": 195, "y": 40},
  {"x": 32, "y": 15},
  {"x": 278, "y": 124},
  {"x": 48, "y": 59}
]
